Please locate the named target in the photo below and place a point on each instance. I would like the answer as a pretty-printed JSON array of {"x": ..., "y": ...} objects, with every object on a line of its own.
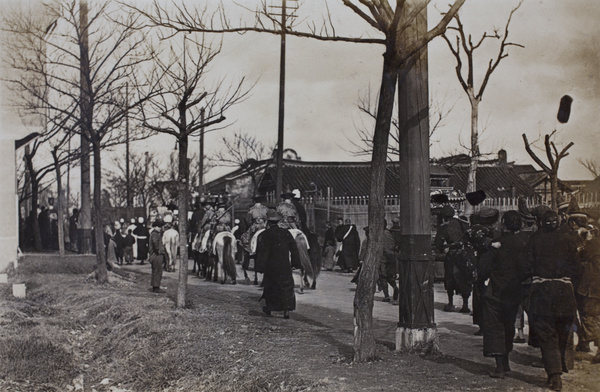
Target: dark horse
[{"x": 310, "y": 255}]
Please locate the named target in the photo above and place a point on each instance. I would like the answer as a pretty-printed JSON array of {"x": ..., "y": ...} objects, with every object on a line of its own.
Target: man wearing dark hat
[
  {"x": 157, "y": 255},
  {"x": 289, "y": 215},
  {"x": 300, "y": 210},
  {"x": 502, "y": 265},
  {"x": 448, "y": 240},
  {"x": 551, "y": 263},
  {"x": 276, "y": 254}
]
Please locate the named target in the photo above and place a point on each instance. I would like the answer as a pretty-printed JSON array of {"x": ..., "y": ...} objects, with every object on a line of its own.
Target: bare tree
[
  {"x": 551, "y": 169},
  {"x": 242, "y": 151},
  {"x": 85, "y": 63},
  {"x": 592, "y": 165},
  {"x": 467, "y": 81},
  {"x": 363, "y": 141},
  {"x": 185, "y": 108}
]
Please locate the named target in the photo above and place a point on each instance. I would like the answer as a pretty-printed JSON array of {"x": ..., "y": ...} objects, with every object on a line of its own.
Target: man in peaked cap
[{"x": 502, "y": 266}]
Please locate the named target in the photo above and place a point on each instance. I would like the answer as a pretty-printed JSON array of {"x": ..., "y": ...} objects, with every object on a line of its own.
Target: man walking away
[
  {"x": 157, "y": 255},
  {"x": 275, "y": 250}
]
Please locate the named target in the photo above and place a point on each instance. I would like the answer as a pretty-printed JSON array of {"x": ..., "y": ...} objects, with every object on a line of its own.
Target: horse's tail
[
  {"x": 228, "y": 259},
  {"x": 304, "y": 256},
  {"x": 315, "y": 253}
]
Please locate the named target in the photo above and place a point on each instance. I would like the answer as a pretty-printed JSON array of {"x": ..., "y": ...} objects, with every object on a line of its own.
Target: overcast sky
[
  {"x": 561, "y": 55},
  {"x": 325, "y": 81}
]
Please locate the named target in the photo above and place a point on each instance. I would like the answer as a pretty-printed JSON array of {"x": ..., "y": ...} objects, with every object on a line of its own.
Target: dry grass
[
  {"x": 119, "y": 337},
  {"x": 67, "y": 327}
]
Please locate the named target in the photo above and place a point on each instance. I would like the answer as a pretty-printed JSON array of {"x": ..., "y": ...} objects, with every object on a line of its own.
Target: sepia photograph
[{"x": 299, "y": 195}]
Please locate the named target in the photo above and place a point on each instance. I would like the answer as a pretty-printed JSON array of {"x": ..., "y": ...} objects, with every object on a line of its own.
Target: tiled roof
[
  {"x": 353, "y": 178},
  {"x": 496, "y": 181},
  {"x": 343, "y": 178}
]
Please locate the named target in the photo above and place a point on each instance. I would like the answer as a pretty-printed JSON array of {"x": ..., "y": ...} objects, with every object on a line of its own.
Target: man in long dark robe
[
  {"x": 551, "y": 263},
  {"x": 157, "y": 255},
  {"x": 276, "y": 254},
  {"x": 141, "y": 233},
  {"x": 503, "y": 266},
  {"x": 350, "y": 241}
]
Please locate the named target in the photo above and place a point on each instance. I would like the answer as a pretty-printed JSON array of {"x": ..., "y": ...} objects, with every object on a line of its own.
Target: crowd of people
[
  {"x": 540, "y": 262},
  {"x": 527, "y": 263}
]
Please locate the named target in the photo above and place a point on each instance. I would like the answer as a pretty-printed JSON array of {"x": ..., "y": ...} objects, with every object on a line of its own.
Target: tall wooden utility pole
[
  {"x": 85, "y": 216},
  {"x": 201, "y": 157},
  {"x": 416, "y": 326},
  {"x": 279, "y": 182},
  {"x": 127, "y": 170}
]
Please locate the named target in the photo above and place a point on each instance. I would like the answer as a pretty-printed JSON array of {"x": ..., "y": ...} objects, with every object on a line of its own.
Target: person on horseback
[
  {"x": 256, "y": 218},
  {"x": 289, "y": 214},
  {"x": 222, "y": 219},
  {"x": 301, "y": 222},
  {"x": 277, "y": 253},
  {"x": 202, "y": 245}
]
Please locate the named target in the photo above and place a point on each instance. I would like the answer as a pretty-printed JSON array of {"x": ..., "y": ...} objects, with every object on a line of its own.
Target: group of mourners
[
  {"x": 123, "y": 244},
  {"x": 537, "y": 260}
]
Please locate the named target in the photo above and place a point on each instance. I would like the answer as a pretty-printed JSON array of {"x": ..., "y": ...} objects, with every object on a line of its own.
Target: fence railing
[{"x": 588, "y": 200}]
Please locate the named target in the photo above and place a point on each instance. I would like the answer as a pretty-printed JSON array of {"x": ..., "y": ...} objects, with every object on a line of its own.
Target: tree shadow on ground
[{"x": 483, "y": 369}]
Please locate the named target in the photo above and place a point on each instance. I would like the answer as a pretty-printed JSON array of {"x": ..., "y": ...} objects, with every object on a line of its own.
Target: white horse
[
  {"x": 170, "y": 240},
  {"x": 223, "y": 247}
]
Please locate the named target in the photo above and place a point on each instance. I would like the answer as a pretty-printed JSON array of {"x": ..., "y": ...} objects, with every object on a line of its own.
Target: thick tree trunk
[
  {"x": 554, "y": 189},
  {"x": 182, "y": 205},
  {"x": 102, "y": 273},
  {"x": 416, "y": 326},
  {"x": 60, "y": 210},
  {"x": 472, "y": 175},
  {"x": 364, "y": 343}
]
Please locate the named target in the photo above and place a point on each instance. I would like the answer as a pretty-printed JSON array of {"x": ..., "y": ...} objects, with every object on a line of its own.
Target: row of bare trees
[{"x": 86, "y": 72}]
